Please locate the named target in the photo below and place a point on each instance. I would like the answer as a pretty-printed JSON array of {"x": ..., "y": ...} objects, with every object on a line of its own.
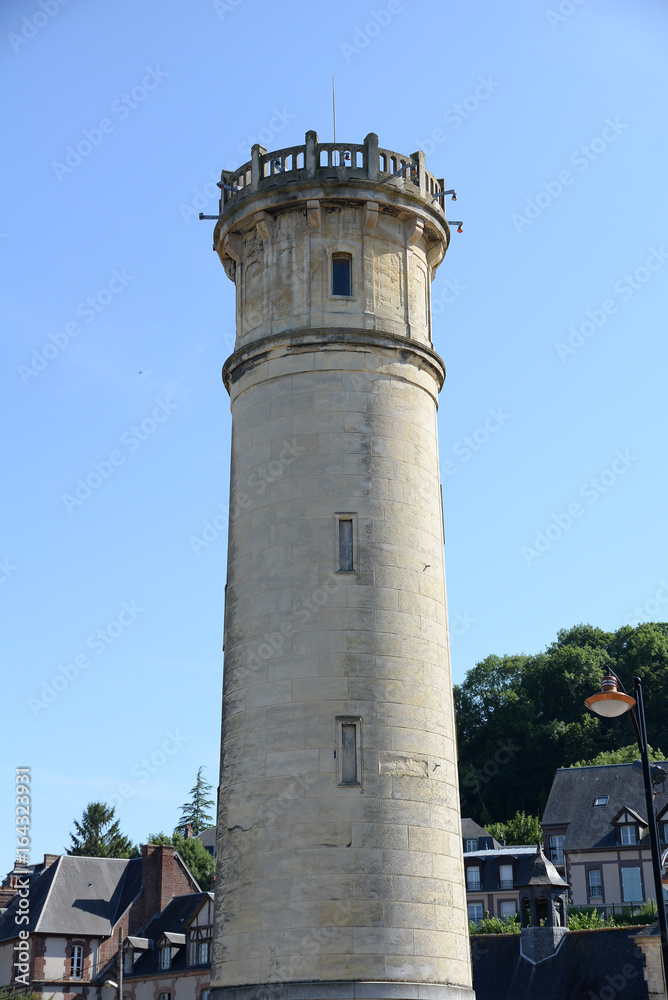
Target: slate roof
[
  {"x": 472, "y": 829},
  {"x": 536, "y": 869},
  {"x": 208, "y": 838},
  {"x": 528, "y": 868},
  {"x": 172, "y": 920},
  {"x": 571, "y": 802},
  {"x": 501, "y": 852},
  {"x": 77, "y": 896},
  {"x": 587, "y": 964}
]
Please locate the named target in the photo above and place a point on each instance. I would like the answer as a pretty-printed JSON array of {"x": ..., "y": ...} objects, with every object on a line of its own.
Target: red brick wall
[
  {"x": 162, "y": 877},
  {"x": 38, "y": 955},
  {"x": 109, "y": 946}
]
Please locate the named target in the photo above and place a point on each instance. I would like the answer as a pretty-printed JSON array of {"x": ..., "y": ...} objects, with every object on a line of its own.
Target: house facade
[
  {"x": 171, "y": 959},
  {"x": 493, "y": 878},
  {"x": 75, "y": 907},
  {"x": 596, "y": 834}
]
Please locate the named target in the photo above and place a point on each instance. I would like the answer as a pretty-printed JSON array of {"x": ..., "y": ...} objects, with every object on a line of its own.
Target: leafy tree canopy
[
  {"x": 99, "y": 836},
  {"x": 195, "y": 812},
  {"x": 625, "y": 755},
  {"x": 199, "y": 862},
  {"x": 521, "y": 829},
  {"x": 521, "y": 716}
]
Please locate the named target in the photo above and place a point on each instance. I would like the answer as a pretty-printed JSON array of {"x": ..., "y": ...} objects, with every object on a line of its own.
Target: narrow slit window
[
  {"x": 342, "y": 277},
  {"x": 346, "y": 545},
  {"x": 349, "y": 753}
]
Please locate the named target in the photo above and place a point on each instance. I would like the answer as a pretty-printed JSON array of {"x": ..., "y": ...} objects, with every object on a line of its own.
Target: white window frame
[
  {"x": 557, "y": 848},
  {"x": 203, "y": 946},
  {"x": 507, "y": 903},
  {"x": 591, "y": 890},
  {"x": 475, "y": 907},
  {"x": 473, "y": 883},
  {"x": 165, "y": 958},
  {"x": 637, "y": 880},
  {"x": 628, "y": 834},
  {"x": 507, "y": 882},
  {"x": 76, "y": 962},
  {"x": 468, "y": 842}
]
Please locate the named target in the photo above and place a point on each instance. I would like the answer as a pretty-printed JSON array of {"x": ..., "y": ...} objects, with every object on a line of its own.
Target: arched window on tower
[{"x": 342, "y": 274}]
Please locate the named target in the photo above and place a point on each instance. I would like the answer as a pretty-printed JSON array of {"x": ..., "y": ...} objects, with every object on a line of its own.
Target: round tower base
[{"x": 344, "y": 990}]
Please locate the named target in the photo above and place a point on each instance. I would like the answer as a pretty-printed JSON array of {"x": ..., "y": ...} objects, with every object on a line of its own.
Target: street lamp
[{"x": 610, "y": 704}]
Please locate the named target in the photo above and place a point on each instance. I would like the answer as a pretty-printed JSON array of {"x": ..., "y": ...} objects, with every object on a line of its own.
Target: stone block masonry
[{"x": 340, "y": 870}]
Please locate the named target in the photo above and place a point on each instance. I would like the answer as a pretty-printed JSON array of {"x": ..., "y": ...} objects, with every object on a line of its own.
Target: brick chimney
[
  {"x": 162, "y": 878},
  {"x": 8, "y": 890},
  {"x": 50, "y": 859}
]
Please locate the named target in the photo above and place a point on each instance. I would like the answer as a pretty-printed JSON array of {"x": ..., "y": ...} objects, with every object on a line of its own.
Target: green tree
[
  {"x": 199, "y": 862},
  {"x": 625, "y": 755},
  {"x": 99, "y": 836},
  {"x": 20, "y": 993},
  {"x": 160, "y": 839},
  {"x": 521, "y": 829},
  {"x": 495, "y": 925},
  {"x": 520, "y": 717},
  {"x": 195, "y": 811}
]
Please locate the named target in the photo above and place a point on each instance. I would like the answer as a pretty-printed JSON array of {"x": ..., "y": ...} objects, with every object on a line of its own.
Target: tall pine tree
[
  {"x": 195, "y": 812},
  {"x": 99, "y": 836}
]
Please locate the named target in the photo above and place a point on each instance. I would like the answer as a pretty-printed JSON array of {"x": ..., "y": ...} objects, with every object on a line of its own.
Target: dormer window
[
  {"x": 203, "y": 952},
  {"x": 628, "y": 833},
  {"x": 133, "y": 948},
  {"x": 505, "y": 877},
  {"x": 601, "y": 800},
  {"x": 473, "y": 883},
  {"x": 470, "y": 845},
  {"x": 557, "y": 849},
  {"x": 165, "y": 958},
  {"x": 629, "y": 827}
]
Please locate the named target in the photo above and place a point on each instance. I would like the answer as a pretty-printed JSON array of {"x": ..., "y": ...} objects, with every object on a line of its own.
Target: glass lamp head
[{"x": 610, "y": 703}]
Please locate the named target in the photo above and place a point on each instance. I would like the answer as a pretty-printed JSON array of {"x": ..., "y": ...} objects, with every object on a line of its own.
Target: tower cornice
[{"x": 301, "y": 342}]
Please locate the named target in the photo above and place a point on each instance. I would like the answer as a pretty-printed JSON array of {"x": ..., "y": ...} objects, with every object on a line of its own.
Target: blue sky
[{"x": 549, "y": 120}]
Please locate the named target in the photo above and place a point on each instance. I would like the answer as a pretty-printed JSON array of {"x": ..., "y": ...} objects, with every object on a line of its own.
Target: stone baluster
[
  {"x": 256, "y": 169},
  {"x": 419, "y": 157},
  {"x": 371, "y": 156},
  {"x": 311, "y": 158}
]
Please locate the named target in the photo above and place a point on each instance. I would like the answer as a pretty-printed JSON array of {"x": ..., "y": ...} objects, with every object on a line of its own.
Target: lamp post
[{"x": 610, "y": 704}]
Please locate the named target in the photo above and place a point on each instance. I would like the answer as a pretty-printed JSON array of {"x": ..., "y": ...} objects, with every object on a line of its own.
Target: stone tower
[{"x": 340, "y": 868}]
